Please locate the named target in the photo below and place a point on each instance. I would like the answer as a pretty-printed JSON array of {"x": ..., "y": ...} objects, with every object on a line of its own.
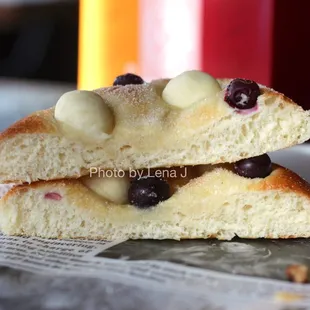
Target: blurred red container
[{"x": 263, "y": 40}]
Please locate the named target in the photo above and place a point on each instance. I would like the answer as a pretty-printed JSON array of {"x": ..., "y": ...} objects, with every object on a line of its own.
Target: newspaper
[{"x": 229, "y": 274}]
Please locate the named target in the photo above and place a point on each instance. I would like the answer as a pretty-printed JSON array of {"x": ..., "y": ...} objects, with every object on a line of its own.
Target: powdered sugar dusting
[
  {"x": 129, "y": 94},
  {"x": 136, "y": 103}
]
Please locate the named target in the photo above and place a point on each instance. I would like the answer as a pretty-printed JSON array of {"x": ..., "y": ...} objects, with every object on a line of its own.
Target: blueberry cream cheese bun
[
  {"x": 251, "y": 198},
  {"x": 190, "y": 119},
  {"x": 176, "y": 158}
]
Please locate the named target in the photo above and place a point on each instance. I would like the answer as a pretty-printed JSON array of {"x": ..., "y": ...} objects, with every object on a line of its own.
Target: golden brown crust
[
  {"x": 285, "y": 180},
  {"x": 39, "y": 122},
  {"x": 270, "y": 92}
]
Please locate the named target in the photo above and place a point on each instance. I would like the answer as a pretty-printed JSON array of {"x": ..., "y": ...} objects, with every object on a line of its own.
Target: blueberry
[
  {"x": 255, "y": 167},
  {"x": 148, "y": 191},
  {"x": 242, "y": 94},
  {"x": 128, "y": 78}
]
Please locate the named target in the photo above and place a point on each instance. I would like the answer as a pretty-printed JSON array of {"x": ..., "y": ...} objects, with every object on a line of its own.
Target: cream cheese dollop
[
  {"x": 190, "y": 87},
  {"x": 84, "y": 115}
]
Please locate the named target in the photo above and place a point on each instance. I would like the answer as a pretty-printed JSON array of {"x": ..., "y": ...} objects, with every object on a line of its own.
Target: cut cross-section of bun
[
  {"x": 210, "y": 202},
  {"x": 189, "y": 120}
]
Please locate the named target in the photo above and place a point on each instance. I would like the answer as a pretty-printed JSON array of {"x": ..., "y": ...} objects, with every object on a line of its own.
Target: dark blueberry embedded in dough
[
  {"x": 255, "y": 167},
  {"x": 127, "y": 79},
  {"x": 148, "y": 191},
  {"x": 242, "y": 94}
]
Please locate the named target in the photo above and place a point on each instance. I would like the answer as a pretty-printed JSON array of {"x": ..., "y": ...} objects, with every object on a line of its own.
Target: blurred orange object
[
  {"x": 108, "y": 41},
  {"x": 153, "y": 38}
]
